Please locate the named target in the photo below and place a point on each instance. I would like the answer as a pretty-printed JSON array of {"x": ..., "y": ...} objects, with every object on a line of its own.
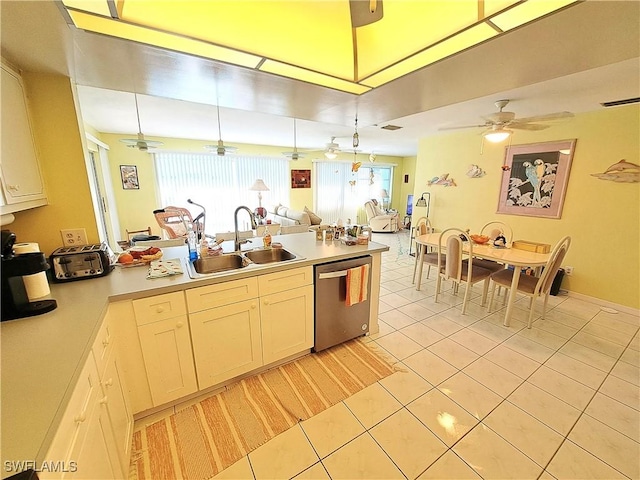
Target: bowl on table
[{"x": 479, "y": 239}]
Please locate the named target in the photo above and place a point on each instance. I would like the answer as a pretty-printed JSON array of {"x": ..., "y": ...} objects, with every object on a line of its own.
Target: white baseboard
[{"x": 604, "y": 303}]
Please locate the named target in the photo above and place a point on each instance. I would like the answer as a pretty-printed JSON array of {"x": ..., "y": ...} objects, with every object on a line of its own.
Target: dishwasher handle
[{"x": 339, "y": 273}]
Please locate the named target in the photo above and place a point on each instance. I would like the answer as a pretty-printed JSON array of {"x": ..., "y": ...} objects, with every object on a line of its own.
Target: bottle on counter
[
  {"x": 192, "y": 242},
  {"x": 266, "y": 238}
]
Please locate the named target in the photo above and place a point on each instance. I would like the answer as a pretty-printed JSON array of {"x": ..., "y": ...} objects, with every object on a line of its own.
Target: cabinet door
[
  {"x": 96, "y": 457},
  {"x": 73, "y": 428},
  {"x": 21, "y": 177},
  {"x": 166, "y": 348},
  {"x": 117, "y": 403},
  {"x": 226, "y": 342},
  {"x": 287, "y": 323}
]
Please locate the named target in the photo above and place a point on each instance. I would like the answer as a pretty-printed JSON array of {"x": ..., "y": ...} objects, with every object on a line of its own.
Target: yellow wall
[
  {"x": 135, "y": 207},
  {"x": 62, "y": 160},
  {"x": 602, "y": 217}
]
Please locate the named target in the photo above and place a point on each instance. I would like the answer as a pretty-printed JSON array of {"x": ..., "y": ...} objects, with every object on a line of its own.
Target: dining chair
[
  {"x": 492, "y": 230},
  {"x": 429, "y": 258},
  {"x": 534, "y": 286},
  {"x": 453, "y": 267},
  {"x": 132, "y": 233}
]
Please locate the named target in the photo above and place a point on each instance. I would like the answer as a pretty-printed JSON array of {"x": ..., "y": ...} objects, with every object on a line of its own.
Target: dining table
[{"x": 508, "y": 256}]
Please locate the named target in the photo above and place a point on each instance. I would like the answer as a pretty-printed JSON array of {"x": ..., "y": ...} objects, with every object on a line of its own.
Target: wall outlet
[
  {"x": 74, "y": 236},
  {"x": 568, "y": 270}
]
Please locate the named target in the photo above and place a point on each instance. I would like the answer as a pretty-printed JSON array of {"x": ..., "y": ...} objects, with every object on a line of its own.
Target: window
[
  {"x": 341, "y": 193},
  {"x": 220, "y": 184}
]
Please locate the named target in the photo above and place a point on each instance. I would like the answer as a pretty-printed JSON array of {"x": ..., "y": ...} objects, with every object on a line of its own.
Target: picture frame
[
  {"x": 129, "y": 177},
  {"x": 300, "y": 178},
  {"x": 535, "y": 178}
]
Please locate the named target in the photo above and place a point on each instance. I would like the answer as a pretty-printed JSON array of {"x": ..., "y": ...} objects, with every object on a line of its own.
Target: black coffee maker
[{"x": 15, "y": 302}]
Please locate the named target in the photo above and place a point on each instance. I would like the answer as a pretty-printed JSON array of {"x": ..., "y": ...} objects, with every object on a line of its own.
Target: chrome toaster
[{"x": 80, "y": 262}]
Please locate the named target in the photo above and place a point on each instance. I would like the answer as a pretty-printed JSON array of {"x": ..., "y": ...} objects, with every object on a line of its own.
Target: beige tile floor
[{"x": 476, "y": 399}]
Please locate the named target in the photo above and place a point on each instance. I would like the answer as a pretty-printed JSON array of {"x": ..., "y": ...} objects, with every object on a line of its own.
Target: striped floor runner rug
[{"x": 205, "y": 438}]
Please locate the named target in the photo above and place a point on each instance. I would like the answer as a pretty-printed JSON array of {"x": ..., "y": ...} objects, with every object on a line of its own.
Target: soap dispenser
[{"x": 266, "y": 238}]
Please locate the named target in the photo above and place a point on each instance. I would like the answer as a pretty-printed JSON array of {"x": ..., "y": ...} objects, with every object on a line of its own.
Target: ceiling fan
[
  {"x": 500, "y": 123},
  {"x": 332, "y": 149},
  {"x": 140, "y": 143},
  {"x": 220, "y": 149},
  {"x": 294, "y": 155}
]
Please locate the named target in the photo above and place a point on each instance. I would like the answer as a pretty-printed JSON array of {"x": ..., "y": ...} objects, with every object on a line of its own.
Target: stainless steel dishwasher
[{"x": 335, "y": 322}]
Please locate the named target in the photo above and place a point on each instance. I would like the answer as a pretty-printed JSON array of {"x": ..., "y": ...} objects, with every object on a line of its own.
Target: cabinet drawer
[
  {"x": 226, "y": 293},
  {"x": 160, "y": 307},
  {"x": 285, "y": 280}
]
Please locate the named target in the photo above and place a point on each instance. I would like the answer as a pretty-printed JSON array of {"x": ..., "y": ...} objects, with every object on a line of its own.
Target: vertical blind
[
  {"x": 220, "y": 184},
  {"x": 340, "y": 193}
]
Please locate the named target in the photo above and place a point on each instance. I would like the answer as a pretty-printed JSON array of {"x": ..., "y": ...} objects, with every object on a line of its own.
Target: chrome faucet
[{"x": 239, "y": 242}]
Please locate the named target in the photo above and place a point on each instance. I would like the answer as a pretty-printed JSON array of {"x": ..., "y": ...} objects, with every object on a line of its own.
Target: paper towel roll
[{"x": 36, "y": 285}]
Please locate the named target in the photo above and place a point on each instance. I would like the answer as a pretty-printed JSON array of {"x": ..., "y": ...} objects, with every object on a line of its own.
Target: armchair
[{"x": 378, "y": 220}]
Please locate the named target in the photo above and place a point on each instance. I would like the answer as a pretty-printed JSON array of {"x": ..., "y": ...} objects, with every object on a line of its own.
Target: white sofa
[
  {"x": 286, "y": 216},
  {"x": 379, "y": 221}
]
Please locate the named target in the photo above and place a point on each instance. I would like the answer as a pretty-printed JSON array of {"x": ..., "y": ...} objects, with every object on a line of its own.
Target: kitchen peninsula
[{"x": 45, "y": 358}]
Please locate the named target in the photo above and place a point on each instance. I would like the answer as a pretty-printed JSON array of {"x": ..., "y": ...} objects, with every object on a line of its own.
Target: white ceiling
[{"x": 571, "y": 61}]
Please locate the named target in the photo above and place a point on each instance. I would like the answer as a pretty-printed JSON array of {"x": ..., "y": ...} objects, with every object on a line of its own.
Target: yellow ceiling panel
[
  {"x": 409, "y": 27},
  {"x": 528, "y": 11},
  {"x": 453, "y": 45},
  {"x": 494, "y": 6},
  {"x": 177, "y": 43},
  {"x": 312, "y": 77},
  {"x": 314, "y": 35},
  {"x": 99, "y": 7},
  {"x": 312, "y": 40}
]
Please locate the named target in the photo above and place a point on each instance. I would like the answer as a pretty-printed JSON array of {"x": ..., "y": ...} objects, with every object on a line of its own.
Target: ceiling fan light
[
  {"x": 331, "y": 155},
  {"x": 497, "y": 136}
]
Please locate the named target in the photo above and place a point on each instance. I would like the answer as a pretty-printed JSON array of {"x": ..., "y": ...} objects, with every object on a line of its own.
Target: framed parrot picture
[{"x": 535, "y": 177}]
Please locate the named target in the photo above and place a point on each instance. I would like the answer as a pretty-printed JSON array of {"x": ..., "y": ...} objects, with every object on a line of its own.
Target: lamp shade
[
  {"x": 259, "y": 186},
  {"x": 384, "y": 193},
  {"x": 497, "y": 135}
]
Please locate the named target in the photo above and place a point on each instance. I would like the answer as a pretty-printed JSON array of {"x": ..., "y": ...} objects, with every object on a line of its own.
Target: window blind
[{"x": 220, "y": 184}]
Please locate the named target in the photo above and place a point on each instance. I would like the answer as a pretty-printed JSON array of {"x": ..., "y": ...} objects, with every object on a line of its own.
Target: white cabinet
[
  {"x": 114, "y": 399},
  {"x": 93, "y": 440},
  {"x": 225, "y": 330},
  {"x": 22, "y": 184},
  {"x": 234, "y": 332},
  {"x": 286, "y": 311},
  {"x": 163, "y": 330}
]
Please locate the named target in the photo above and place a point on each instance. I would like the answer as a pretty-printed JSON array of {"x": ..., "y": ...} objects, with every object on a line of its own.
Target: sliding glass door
[{"x": 340, "y": 192}]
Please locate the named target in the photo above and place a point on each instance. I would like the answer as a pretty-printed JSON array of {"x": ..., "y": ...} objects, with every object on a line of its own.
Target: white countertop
[{"x": 41, "y": 356}]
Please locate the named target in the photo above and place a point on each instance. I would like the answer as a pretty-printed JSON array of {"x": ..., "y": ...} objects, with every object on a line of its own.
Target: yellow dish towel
[{"x": 357, "y": 284}]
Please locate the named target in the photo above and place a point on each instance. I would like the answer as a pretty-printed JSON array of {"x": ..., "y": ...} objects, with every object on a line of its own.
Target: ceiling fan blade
[
  {"x": 544, "y": 118},
  {"x": 527, "y": 126},
  {"x": 465, "y": 126}
]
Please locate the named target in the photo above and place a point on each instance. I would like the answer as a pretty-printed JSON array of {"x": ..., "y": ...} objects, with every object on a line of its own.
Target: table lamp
[
  {"x": 385, "y": 198},
  {"x": 258, "y": 186}
]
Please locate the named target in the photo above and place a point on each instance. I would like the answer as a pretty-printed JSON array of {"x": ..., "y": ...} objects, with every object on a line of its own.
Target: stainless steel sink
[
  {"x": 269, "y": 255},
  {"x": 220, "y": 263}
]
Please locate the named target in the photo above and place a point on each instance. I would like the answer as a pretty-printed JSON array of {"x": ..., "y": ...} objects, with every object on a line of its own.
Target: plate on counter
[{"x": 136, "y": 256}]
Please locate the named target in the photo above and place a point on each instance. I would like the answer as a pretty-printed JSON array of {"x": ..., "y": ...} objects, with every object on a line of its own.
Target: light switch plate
[{"x": 74, "y": 236}]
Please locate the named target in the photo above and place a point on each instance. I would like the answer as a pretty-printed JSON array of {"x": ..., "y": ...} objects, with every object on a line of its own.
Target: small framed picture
[
  {"x": 129, "y": 176},
  {"x": 300, "y": 178}
]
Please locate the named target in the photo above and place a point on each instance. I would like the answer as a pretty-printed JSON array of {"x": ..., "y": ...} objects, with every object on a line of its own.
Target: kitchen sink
[
  {"x": 220, "y": 263},
  {"x": 269, "y": 255}
]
